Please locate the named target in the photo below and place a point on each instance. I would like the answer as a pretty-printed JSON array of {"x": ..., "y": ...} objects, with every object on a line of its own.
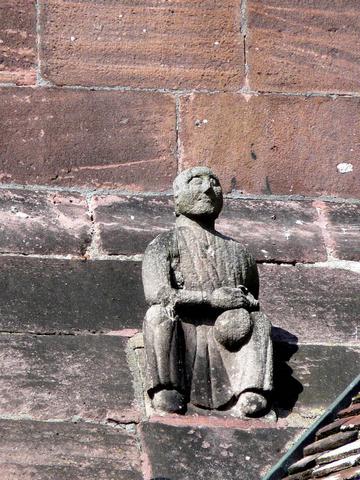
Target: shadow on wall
[{"x": 286, "y": 388}]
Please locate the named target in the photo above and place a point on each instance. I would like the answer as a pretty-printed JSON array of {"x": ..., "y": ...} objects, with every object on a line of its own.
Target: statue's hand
[{"x": 228, "y": 298}]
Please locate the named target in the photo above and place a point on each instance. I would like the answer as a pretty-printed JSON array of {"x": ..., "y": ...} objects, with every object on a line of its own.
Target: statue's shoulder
[
  {"x": 240, "y": 249},
  {"x": 163, "y": 243}
]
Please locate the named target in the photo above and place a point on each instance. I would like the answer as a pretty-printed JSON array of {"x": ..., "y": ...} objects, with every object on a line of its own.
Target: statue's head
[{"x": 198, "y": 194}]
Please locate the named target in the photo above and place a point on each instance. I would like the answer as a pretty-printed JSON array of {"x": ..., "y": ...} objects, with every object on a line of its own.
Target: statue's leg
[
  {"x": 257, "y": 365},
  {"x": 163, "y": 363},
  {"x": 251, "y": 404}
]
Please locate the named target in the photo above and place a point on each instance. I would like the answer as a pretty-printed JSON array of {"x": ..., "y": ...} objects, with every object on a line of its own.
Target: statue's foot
[
  {"x": 250, "y": 404},
  {"x": 169, "y": 401}
]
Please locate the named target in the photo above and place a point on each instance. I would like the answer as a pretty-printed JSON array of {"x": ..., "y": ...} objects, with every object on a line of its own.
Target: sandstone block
[
  {"x": 42, "y": 450},
  {"x": 18, "y": 42},
  {"x": 188, "y": 44},
  {"x": 69, "y": 296},
  {"x": 82, "y": 138},
  {"x": 311, "y": 304},
  {"x": 43, "y": 223},
  {"x": 274, "y": 144},
  {"x": 68, "y": 378},
  {"x": 184, "y": 453},
  {"x": 304, "y": 46}
]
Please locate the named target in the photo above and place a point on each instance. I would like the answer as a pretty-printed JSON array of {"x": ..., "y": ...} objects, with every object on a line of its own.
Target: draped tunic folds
[{"x": 196, "y": 259}]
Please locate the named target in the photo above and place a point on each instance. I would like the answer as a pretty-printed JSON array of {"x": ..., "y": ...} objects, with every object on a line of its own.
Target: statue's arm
[{"x": 156, "y": 276}]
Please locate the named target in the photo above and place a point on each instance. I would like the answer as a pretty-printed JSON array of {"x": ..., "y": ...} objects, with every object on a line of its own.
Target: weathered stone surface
[
  {"x": 272, "y": 230},
  {"x": 330, "y": 442},
  {"x": 42, "y": 451},
  {"x": 311, "y": 303},
  {"x": 308, "y": 378},
  {"x": 45, "y": 223},
  {"x": 94, "y": 295},
  {"x": 48, "y": 295},
  {"x": 218, "y": 353},
  {"x": 304, "y": 46},
  {"x": 18, "y": 42},
  {"x": 78, "y": 137},
  {"x": 66, "y": 377},
  {"x": 343, "y": 227},
  {"x": 194, "y": 44},
  {"x": 127, "y": 224},
  {"x": 185, "y": 453},
  {"x": 273, "y": 144}
]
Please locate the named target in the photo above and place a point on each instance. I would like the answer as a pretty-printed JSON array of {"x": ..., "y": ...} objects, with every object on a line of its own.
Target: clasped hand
[{"x": 229, "y": 298}]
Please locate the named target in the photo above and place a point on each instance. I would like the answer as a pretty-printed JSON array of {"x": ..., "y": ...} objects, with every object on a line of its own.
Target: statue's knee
[
  {"x": 155, "y": 316},
  {"x": 261, "y": 321},
  {"x": 232, "y": 328}
]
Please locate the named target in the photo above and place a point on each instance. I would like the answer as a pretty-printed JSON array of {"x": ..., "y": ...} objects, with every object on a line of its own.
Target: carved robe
[{"x": 181, "y": 351}]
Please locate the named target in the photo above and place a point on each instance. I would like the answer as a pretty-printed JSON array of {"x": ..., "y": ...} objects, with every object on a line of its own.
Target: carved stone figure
[{"x": 206, "y": 342}]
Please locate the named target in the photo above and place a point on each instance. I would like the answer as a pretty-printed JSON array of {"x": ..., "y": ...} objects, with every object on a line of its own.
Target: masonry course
[
  {"x": 53, "y": 295},
  {"x": 274, "y": 230}
]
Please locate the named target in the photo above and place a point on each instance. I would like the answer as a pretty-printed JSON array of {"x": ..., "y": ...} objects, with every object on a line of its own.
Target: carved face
[{"x": 198, "y": 194}]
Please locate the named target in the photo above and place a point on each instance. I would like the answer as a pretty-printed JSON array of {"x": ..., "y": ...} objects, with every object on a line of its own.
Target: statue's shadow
[{"x": 286, "y": 388}]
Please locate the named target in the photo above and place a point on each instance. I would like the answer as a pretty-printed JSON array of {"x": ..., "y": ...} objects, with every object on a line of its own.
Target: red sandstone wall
[{"x": 123, "y": 93}]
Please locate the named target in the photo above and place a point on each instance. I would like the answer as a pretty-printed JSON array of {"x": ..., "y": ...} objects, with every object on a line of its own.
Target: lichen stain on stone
[{"x": 344, "y": 167}]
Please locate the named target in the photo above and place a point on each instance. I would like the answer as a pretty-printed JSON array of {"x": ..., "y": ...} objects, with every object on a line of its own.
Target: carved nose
[{"x": 206, "y": 186}]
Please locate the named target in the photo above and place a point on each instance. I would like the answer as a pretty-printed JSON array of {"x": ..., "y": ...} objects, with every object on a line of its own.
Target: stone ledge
[
  {"x": 65, "y": 451},
  {"x": 66, "y": 378},
  {"x": 311, "y": 304},
  {"x": 308, "y": 378},
  {"x": 43, "y": 223},
  {"x": 50, "y": 222},
  {"x": 73, "y": 296},
  {"x": 69, "y": 296},
  {"x": 273, "y": 230},
  {"x": 185, "y": 453}
]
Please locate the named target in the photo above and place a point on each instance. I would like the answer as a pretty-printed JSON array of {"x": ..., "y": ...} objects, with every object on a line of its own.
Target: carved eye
[
  {"x": 196, "y": 181},
  {"x": 214, "y": 182}
]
